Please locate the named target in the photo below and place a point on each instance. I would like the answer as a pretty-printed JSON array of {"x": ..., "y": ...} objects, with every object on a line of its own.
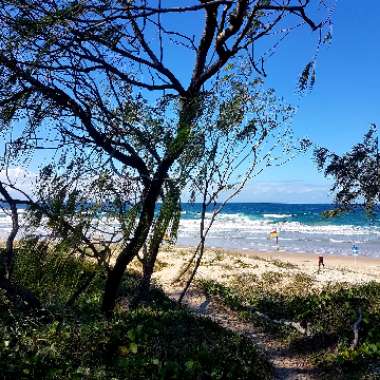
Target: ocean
[{"x": 301, "y": 229}]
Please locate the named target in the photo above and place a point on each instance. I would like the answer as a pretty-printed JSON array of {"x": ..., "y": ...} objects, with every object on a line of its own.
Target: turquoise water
[
  {"x": 246, "y": 226},
  {"x": 301, "y": 228}
]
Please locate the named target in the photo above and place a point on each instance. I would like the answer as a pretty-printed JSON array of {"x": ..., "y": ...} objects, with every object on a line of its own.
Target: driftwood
[
  {"x": 203, "y": 307},
  {"x": 296, "y": 325},
  {"x": 299, "y": 326},
  {"x": 355, "y": 329},
  {"x": 302, "y": 328}
]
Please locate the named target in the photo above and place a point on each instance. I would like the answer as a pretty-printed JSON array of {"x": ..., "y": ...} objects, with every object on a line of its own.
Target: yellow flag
[{"x": 273, "y": 234}]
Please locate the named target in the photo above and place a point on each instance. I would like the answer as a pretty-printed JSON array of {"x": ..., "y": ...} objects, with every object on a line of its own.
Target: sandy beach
[
  {"x": 225, "y": 266},
  {"x": 289, "y": 273}
]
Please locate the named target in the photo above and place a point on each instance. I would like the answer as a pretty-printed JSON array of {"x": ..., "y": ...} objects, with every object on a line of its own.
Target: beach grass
[
  {"x": 289, "y": 287},
  {"x": 158, "y": 341}
]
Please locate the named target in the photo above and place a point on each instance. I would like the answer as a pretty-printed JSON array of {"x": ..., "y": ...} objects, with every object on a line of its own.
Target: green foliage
[
  {"x": 52, "y": 275},
  {"x": 356, "y": 173},
  {"x": 330, "y": 314},
  {"x": 307, "y": 78},
  {"x": 161, "y": 341},
  {"x": 62, "y": 204},
  {"x": 128, "y": 219},
  {"x": 228, "y": 295},
  {"x": 271, "y": 277},
  {"x": 169, "y": 216},
  {"x": 146, "y": 343}
]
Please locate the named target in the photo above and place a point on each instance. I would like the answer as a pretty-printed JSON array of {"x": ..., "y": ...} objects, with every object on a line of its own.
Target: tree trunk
[
  {"x": 85, "y": 283},
  {"x": 167, "y": 213},
  {"x": 115, "y": 275},
  {"x": 188, "y": 113},
  {"x": 144, "y": 285},
  {"x": 9, "y": 252},
  {"x": 193, "y": 272},
  {"x": 201, "y": 246}
]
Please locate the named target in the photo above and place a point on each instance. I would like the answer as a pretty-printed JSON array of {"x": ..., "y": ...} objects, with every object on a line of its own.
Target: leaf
[
  {"x": 189, "y": 364},
  {"x": 123, "y": 350},
  {"x": 131, "y": 335},
  {"x": 307, "y": 78},
  {"x": 133, "y": 348}
]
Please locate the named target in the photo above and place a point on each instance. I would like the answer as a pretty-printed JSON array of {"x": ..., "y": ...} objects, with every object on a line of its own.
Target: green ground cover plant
[
  {"x": 329, "y": 314},
  {"x": 159, "y": 341}
]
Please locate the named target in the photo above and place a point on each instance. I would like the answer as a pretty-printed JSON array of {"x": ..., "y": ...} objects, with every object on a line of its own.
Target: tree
[
  {"x": 356, "y": 173},
  {"x": 8, "y": 257},
  {"x": 250, "y": 133},
  {"x": 18, "y": 295},
  {"x": 83, "y": 71}
]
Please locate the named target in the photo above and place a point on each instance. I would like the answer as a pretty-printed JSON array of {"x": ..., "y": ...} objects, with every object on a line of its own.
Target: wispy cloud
[
  {"x": 296, "y": 191},
  {"x": 20, "y": 178},
  {"x": 290, "y": 191}
]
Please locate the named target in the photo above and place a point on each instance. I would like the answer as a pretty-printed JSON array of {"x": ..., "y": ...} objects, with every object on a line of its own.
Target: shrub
[
  {"x": 330, "y": 314},
  {"x": 161, "y": 341}
]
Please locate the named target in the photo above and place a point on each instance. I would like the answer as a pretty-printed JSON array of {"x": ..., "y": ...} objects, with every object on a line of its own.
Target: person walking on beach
[{"x": 320, "y": 262}]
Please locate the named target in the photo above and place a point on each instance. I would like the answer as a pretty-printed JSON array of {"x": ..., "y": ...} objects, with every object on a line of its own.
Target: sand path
[
  {"x": 286, "y": 365},
  {"x": 224, "y": 266}
]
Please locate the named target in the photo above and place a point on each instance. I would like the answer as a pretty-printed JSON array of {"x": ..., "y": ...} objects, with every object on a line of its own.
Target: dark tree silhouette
[
  {"x": 356, "y": 173},
  {"x": 81, "y": 72}
]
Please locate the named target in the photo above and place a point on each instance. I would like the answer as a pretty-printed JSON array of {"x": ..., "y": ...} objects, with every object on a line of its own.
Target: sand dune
[{"x": 223, "y": 266}]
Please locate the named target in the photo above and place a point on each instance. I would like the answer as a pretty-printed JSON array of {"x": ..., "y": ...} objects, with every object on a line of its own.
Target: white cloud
[
  {"x": 289, "y": 191},
  {"x": 20, "y": 178},
  {"x": 296, "y": 191}
]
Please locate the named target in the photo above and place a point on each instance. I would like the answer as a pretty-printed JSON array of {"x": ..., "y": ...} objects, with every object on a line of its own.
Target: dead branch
[
  {"x": 295, "y": 325},
  {"x": 355, "y": 329},
  {"x": 9, "y": 254}
]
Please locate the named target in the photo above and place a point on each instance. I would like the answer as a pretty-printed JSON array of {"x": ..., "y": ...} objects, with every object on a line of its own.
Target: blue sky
[
  {"x": 336, "y": 114},
  {"x": 338, "y": 111}
]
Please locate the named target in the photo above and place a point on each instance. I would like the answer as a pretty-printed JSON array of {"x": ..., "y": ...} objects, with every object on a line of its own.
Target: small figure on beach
[
  {"x": 274, "y": 235},
  {"x": 320, "y": 262},
  {"x": 355, "y": 250}
]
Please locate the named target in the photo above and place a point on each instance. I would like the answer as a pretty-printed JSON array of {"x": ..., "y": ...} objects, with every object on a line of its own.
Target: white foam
[
  {"x": 238, "y": 230},
  {"x": 277, "y": 216},
  {"x": 231, "y": 222}
]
